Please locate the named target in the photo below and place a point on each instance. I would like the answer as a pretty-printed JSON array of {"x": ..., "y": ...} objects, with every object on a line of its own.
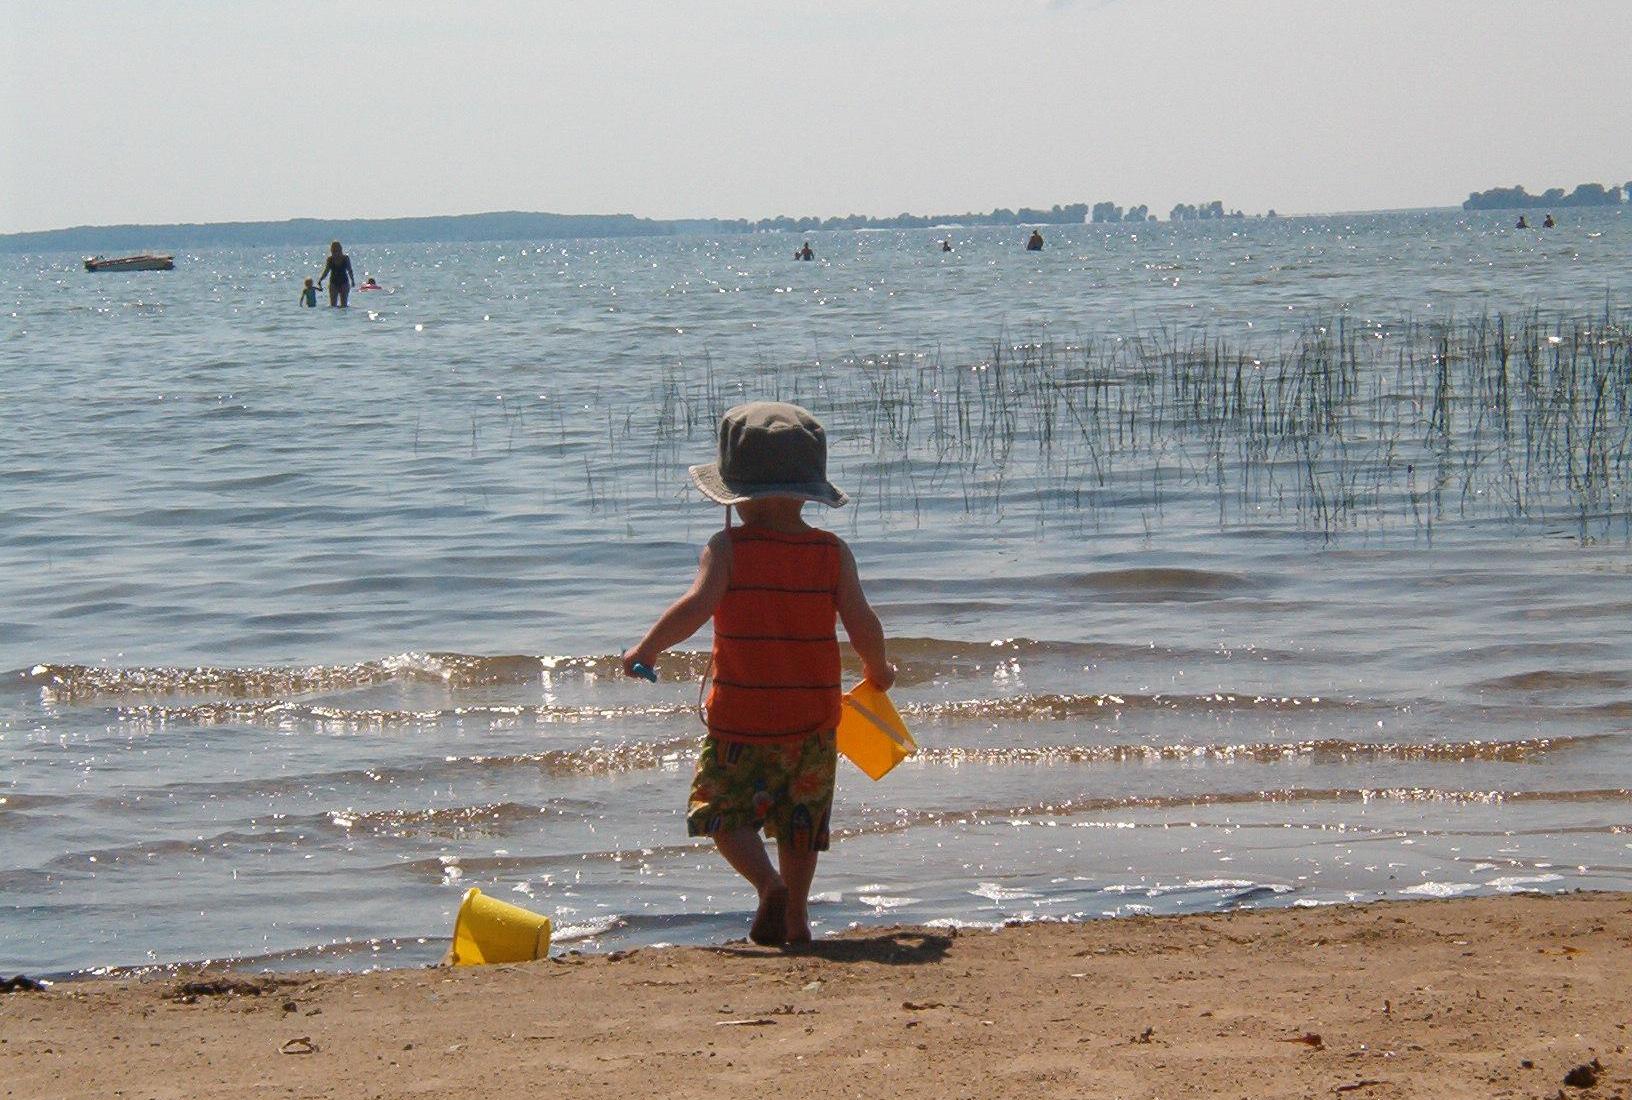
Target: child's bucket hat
[{"x": 769, "y": 449}]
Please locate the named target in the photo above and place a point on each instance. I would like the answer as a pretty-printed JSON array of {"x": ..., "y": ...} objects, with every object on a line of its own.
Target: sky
[{"x": 213, "y": 110}]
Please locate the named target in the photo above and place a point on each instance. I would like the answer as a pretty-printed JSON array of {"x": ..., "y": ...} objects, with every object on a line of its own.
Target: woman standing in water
[{"x": 338, "y": 271}]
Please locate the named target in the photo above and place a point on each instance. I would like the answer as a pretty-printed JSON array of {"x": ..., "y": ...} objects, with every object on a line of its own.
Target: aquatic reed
[{"x": 1338, "y": 426}]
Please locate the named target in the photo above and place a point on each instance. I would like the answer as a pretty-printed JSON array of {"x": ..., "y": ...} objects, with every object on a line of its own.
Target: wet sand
[{"x": 1488, "y": 997}]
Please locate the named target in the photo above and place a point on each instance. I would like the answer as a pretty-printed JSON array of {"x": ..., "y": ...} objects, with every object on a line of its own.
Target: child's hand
[
  {"x": 635, "y": 656},
  {"x": 882, "y": 678}
]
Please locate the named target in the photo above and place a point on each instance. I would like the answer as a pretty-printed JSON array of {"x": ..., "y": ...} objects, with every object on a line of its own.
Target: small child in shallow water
[
  {"x": 774, "y": 587},
  {"x": 308, "y": 294}
]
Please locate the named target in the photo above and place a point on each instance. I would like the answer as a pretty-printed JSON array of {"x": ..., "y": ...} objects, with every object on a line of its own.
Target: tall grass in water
[{"x": 1339, "y": 426}]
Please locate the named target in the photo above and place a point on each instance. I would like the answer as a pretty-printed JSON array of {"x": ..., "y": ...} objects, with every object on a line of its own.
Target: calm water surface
[{"x": 310, "y": 615}]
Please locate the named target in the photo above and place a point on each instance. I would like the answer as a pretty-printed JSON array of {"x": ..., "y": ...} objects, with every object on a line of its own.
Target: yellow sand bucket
[
  {"x": 491, "y": 931},
  {"x": 871, "y": 734}
]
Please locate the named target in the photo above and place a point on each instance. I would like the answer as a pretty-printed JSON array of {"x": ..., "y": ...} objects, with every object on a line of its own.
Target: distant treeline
[
  {"x": 1110, "y": 212},
  {"x": 1517, "y": 198},
  {"x": 1071, "y": 214},
  {"x": 316, "y": 232},
  {"x": 112, "y": 240}
]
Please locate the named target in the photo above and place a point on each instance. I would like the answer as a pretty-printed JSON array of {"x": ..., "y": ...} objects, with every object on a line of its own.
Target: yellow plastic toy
[
  {"x": 871, "y": 733},
  {"x": 488, "y": 930}
]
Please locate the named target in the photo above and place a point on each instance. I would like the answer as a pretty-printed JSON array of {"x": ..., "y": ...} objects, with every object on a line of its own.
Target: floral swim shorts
[{"x": 785, "y": 789}]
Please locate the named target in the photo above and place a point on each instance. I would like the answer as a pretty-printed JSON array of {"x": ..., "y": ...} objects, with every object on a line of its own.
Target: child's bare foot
[
  {"x": 770, "y": 925},
  {"x": 798, "y": 923}
]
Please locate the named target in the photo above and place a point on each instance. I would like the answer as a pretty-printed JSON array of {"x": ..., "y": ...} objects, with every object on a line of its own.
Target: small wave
[
  {"x": 921, "y": 659},
  {"x": 1057, "y": 706},
  {"x": 1333, "y": 750},
  {"x": 910, "y": 819},
  {"x": 14, "y": 802},
  {"x": 145, "y": 852},
  {"x": 1508, "y": 652},
  {"x": 82, "y": 683},
  {"x": 588, "y": 760},
  {"x": 1160, "y": 584},
  {"x": 25, "y": 882},
  {"x": 1258, "y": 892},
  {"x": 952, "y": 651},
  {"x": 1440, "y": 889},
  {"x": 407, "y": 950},
  {"x": 501, "y": 866},
  {"x": 586, "y": 930},
  {"x": 677, "y": 664},
  {"x": 925, "y": 659},
  {"x": 1236, "y": 890},
  {"x": 596, "y": 759},
  {"x": 272, "y": 714},
  {"x": 441, "y": 821},
  {"x": 401, "y": 950},
  {"x": 1546, "y": 680},
  {"x": 1620, "y": 708},
  {"x": 882, "y": 902},
  {"x": 634, "y": 756},
  {"x": 965, "y": 925},
  {"x": 1515, "y": 883},
  {"x": 283, "y": 831}
]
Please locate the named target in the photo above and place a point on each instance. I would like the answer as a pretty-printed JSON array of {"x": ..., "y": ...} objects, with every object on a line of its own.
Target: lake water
[{"x": 1214, "y": 577}]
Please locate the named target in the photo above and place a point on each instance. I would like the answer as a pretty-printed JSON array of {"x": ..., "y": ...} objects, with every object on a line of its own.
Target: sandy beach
[{"x": 1488, "y": 997}]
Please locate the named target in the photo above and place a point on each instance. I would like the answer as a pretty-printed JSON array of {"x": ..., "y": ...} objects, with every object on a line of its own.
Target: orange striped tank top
[{"x": 776, "y": 645}]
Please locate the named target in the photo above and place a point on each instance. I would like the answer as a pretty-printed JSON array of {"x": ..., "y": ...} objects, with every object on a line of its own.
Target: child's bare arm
[
  {"x": 862, "y": 625},
  {"x": 687, "y": 614}
]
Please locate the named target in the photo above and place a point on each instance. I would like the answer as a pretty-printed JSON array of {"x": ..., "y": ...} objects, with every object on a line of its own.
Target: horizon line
[{"x": 300, "y": 218}]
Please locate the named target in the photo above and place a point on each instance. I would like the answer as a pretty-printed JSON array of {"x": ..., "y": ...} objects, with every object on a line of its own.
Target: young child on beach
[
  {"x": 308, "y": 295},
  {"x": 774, "y": 587}
]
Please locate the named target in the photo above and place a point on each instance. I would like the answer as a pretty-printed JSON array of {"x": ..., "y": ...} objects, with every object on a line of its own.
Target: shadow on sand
[{"x": 891, "y": 948}]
